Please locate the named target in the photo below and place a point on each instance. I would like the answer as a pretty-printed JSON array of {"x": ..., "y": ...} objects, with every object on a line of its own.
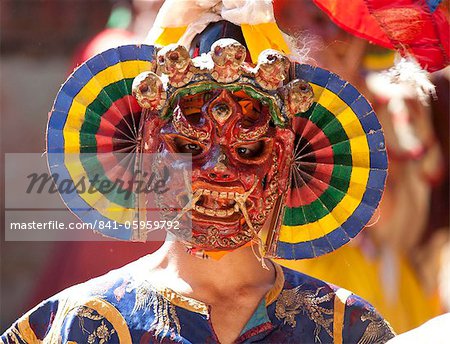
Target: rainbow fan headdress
[{"x": 337, "y": 167}]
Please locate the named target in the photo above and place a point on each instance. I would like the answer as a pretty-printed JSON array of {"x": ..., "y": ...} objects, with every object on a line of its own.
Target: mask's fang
[
  {"x": 251, "y": 189},
  {"x": 242, "y": 198},
  {"x": 241, "y": 204},
  {"x": 256, "y": 238},
  {"x": 189, "y": 205}
]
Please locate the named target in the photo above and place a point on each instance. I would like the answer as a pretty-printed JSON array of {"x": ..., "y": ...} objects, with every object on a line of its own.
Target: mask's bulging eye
[
  {"x": 191, "y": 148},
  {"x": 183, "y": 145},
  {"x": 221, "y": 110},
  {"x": 251, "y": 150},
  {"x": 242, "y": 150}
]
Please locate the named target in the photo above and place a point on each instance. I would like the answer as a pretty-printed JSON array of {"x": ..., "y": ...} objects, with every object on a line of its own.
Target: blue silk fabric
[{"x": 123, "y": 307}]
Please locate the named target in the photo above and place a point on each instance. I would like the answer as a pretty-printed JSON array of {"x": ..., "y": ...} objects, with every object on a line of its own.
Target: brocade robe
[{"x": 123, "y": 307}]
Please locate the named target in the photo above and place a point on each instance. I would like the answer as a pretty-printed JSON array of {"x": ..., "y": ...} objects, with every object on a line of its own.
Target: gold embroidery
[
  {"x": 378, "y": 330},
  {"x": 106, "y": 311},
  {"x": 85, "y": 312},
  {"x": 174, "y": 316},
  {"x": 102, "y": 333},
  {"x": 293, "y": 301},
  {"x": 184, "y": 301},
  {"x": 74, "y": 302},
  {"x": 109, "y": 312},
  {"x": 164, "y": 311},
  {"x": 143, "y": 297}
]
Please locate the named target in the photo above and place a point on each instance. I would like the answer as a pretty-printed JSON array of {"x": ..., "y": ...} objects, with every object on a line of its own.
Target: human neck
[{"x": 238, "y": 269}]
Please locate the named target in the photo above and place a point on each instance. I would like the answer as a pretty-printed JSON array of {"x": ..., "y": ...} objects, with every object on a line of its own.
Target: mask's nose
[{"x": 222, "y": 171}]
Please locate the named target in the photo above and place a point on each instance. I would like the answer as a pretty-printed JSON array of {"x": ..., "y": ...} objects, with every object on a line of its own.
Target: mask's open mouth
[
  {"x": 223, "y": 205},
  {"x": 217, "y": 206}
]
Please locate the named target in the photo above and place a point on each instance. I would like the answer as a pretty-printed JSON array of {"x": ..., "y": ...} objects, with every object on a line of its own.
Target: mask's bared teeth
[
  {"x": 206, "y": 192},
  {"x": 231, "y": 195},
  {"x": 223, "y": 195},
  {"x": 200, "y": 209},
  {"x": 215, "y": 194},
  {"x": 221, "y": 213},
  {"x": 217, "y": 212},
  {"x": 210, "y": 212},
  {"x": 197, "y": 193}
]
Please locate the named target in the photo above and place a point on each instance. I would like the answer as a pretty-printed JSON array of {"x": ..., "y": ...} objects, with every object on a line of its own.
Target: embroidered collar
[{"x": 200, "y": 307}]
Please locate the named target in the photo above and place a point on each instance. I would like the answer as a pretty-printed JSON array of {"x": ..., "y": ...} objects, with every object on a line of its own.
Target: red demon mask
[
  {"x": 239, "y": 163},
  {"x": 234, "y": 119}
]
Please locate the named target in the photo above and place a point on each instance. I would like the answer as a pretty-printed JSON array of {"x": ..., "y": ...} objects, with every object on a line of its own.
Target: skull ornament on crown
[{"x": 234, "y": 119}]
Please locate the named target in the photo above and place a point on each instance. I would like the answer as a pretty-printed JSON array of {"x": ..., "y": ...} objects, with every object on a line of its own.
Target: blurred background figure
[{"x": 398, "y": 264}]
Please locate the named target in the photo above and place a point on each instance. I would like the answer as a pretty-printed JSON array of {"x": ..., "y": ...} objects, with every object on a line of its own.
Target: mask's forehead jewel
[{"x": 240, "y": 91}]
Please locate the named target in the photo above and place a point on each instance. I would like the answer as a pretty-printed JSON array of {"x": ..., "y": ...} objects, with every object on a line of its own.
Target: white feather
[{"x": 407, "y": 71}]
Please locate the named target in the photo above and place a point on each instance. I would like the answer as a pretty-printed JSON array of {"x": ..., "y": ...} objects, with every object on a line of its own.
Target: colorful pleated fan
[
  {"x": 336, "y": 182},
  {"x": 339, "y": 171},
  {"x": 93, "y": 136}
]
